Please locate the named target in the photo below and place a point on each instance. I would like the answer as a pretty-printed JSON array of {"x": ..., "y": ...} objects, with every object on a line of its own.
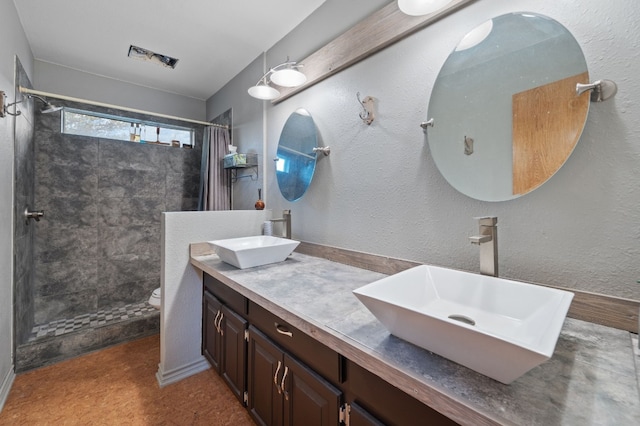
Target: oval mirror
[
  {"x": 296, "y": 160},
  {"x": 505, "y": 110}
]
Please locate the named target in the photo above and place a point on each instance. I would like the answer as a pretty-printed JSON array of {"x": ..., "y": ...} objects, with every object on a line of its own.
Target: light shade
[
  {"x": 288, "y": 77},
  {"x": 263, "y": 91},
  {"x": 421, "y": 7}
]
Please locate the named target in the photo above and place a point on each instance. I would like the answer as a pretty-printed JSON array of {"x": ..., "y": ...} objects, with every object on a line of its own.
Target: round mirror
[
  {"x": 296, "y": 160},
  {"x": 505, "y": 110}
]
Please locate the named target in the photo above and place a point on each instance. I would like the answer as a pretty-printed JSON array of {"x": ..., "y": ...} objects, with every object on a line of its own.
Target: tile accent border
[
  {"x": 70, "y": 342},
  {"x": 97, "y": 319}
]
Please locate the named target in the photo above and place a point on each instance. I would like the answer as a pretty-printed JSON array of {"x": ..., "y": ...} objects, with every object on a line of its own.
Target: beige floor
[{"x": 117, "y": 386}]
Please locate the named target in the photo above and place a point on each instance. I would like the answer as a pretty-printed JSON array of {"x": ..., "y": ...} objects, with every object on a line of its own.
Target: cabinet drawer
[
  {"x": 227, "y": 295},
  {"x": 319, "y": 357},
  {"x": 388, "y": 403}
]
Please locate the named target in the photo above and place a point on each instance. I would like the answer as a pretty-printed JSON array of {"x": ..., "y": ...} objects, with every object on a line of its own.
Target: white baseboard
[
  {"x": 175, "y": 375},
  {"x": 5, "y": 387}
]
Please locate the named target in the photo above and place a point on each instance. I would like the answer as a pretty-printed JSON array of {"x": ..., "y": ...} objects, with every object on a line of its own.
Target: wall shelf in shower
[{"x": 242, "y": 166}]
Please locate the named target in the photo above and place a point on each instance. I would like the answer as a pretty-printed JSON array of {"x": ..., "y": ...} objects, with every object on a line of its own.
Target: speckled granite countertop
[{"x": 590, "y": 380}]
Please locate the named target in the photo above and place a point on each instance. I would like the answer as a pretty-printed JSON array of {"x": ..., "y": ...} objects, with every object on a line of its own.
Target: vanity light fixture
[
  {"x": 286, "y": 74},
  {"x": 421, "y": 7}
]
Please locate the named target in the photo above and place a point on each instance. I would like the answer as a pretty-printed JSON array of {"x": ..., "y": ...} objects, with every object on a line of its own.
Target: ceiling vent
[{"x": 147, "y": 55}]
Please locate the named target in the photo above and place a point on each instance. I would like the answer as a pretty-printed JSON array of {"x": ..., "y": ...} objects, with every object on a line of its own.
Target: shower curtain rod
[{"x": 102, "y": 104}]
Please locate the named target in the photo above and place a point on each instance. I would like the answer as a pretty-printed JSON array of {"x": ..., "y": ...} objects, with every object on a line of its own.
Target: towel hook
[
  {"x": 366, "y": 115},
  {"x": 427, "y": 124}
]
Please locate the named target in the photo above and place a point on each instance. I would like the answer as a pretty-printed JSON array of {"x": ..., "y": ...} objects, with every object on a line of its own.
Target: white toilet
[{"x": 154, "y": 300}]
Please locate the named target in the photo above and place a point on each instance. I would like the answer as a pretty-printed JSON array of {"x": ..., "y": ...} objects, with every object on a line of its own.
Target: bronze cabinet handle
[{"x": 283, "y": 330}]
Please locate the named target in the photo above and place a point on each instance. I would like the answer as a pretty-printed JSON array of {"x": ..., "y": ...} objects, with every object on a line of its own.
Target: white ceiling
[{"x": 213, "y": 39}]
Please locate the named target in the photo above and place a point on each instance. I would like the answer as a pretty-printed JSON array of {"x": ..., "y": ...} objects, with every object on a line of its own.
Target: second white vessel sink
[
  {"x": 497, "y": 327},
  {"x": 247, "y": 252}
]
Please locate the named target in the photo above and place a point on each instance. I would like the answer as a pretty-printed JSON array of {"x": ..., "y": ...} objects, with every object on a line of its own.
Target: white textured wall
[
  {"x": 250, "y": 129},
  {"x": 14, "y": 43},
  {"x": 247, "y": 128},
  {"x": 71, "y": 82},
  {"x": 380, "y": 191},
  {"x": 181, "y": 304}
]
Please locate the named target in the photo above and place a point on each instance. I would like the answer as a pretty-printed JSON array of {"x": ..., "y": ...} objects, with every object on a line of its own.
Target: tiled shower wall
[
  {"x": 98, "y": 246},
  {"x": 24, "y": 185}
]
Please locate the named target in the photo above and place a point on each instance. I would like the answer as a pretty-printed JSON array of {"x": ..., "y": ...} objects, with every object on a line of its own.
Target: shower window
[{"x": 85, "y": 123}]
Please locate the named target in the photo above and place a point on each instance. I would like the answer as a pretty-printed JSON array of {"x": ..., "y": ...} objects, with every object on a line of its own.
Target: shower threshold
[{"x": 92, "y": 320}]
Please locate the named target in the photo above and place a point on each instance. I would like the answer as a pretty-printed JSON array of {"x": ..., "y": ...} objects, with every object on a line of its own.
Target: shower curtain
[{"x": 215, "y": 193}]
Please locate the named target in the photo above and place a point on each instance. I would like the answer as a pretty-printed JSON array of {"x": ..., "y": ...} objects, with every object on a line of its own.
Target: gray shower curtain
[{"x": 215, "y": 193}]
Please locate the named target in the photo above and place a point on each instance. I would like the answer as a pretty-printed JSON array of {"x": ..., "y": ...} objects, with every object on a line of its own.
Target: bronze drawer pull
[{"x": 283, "y": 330}]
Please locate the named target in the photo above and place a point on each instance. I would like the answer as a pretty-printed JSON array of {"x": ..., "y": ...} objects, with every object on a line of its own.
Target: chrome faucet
[
  {"x": 286, "y": 223},
  {"x": 488, "y": 242}
]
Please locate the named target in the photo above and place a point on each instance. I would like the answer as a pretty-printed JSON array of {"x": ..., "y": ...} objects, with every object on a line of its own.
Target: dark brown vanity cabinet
[
  {"x": 286, "y": 377},
  {"x": 224, "y": 344},
  {"x": 283, "y": 391}
]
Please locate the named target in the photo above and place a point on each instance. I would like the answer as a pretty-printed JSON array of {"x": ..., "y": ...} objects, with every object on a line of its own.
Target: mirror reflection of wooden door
[{"x": 547, "y": 123}]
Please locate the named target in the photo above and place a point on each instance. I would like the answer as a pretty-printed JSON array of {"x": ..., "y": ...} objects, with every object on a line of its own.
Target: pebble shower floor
[{"x": 100, "y": 318}]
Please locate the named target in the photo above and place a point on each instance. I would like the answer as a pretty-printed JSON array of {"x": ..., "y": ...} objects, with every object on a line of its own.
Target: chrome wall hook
[
  {"x": 601, "y": 90},
  {"x": 367, "y": 114},
  {"x": 426, "y": 124}
]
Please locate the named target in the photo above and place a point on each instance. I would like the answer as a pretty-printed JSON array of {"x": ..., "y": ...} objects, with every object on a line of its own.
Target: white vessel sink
[
  {"x": 247, "y": 252},
  {"x": 497, "y": 327}
]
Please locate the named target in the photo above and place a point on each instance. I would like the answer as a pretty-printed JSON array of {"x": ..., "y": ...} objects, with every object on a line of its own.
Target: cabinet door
[
  {"x": 211, "y": 340},
  {"x": 234, "y": 348},
  {"x": 308, "y": 399},
  {"x": 265, "y": 370},
  {"x": 358, "y": 416}
]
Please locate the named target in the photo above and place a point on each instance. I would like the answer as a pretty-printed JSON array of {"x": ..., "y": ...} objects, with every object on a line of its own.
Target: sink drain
[{"x": 462, "y": 318}]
